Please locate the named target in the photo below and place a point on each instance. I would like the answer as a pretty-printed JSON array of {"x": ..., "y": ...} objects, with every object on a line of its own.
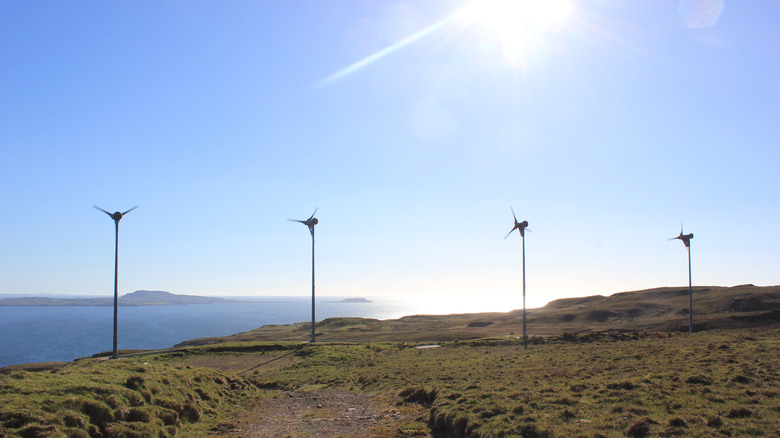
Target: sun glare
[
  {"x": 519, "y": 23},
  {"x": 510, "y": 17}
]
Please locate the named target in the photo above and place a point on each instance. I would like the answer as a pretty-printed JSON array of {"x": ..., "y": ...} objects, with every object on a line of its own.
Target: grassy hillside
[
  {"x": 661, "y": 309},
  {"x": 117, "y": 398},
  {"x": 607, "y": 366},
  {"x": 592, "y": 385},
  {"x": 719, "y": 383}
]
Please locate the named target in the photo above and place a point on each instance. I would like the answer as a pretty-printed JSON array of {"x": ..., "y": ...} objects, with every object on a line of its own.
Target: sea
[{"x": 52, "y": 334}]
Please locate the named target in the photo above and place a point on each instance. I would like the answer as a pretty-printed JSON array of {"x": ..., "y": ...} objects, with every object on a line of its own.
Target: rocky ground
[{"x": 321, "y": 414}]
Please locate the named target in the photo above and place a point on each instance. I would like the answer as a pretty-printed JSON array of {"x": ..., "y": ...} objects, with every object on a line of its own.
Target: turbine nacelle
[
  {"x": 519, "y": 226},
  {"x": 310, "y": 222},
  {"x": 685, "y": 238},
  {"x": 116, "y": 216}
]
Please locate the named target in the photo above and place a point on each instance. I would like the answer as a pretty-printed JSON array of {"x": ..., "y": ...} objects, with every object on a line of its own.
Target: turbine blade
[
  {"x": 128, "y": 211},
  {"x": 103, "y": 211},
  {"x": 513, "y": 214},
  {"x": 510, "y": 232},
  {"x": 294, "y": 220},
  {"x": 312, "y": 215}
]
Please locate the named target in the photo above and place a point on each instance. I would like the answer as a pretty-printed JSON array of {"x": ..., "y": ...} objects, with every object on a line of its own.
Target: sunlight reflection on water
[{"x": 38, "y": 334}]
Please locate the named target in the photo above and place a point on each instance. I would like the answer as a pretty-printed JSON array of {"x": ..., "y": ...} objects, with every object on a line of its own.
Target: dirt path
[{"x": 323, "y": 414}]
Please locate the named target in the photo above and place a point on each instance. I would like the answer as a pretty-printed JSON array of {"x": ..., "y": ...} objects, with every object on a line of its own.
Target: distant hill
[
  {"x": 352, "y": 300},
  {"x": 137, "y": 298}
]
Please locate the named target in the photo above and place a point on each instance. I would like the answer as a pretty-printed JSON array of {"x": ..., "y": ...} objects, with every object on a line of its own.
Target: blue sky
[{"x": 223, "y": 119}]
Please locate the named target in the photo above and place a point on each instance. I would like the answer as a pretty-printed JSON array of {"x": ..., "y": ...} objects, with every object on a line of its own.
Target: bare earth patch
[{"x": 322, "y": 414}]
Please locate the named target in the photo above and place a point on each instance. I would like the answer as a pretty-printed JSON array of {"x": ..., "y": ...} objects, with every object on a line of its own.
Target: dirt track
[{"x": 322, "y": 414}]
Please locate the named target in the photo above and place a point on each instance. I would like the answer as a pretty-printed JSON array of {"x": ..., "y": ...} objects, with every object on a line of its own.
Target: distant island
[
  {"x": 137, "y": 298},
  {"x": 352, "y": 300}
]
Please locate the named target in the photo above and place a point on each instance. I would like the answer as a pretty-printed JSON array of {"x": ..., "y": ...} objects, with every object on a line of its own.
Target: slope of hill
[{"x": 660, "y": 309}]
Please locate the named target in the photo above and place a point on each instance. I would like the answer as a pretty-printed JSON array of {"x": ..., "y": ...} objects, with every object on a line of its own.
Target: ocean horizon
[{"x": 52, "y": 334}]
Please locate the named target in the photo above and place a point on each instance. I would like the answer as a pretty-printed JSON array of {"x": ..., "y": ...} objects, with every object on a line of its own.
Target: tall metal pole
[
  {"x": 312, "y": 286},
  {"x": 116, "y": 217},
  {"x": 525, "y": 334},
  {"x": 690, "y": 294},
  {"x": 116, "y": 287},
  {"x": 686, "y": 240}
]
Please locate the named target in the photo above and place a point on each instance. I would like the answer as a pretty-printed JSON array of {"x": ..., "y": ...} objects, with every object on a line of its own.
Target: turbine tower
[
  {"x": 686, "y": 240},
  {"x": 116, "y": 216},
  {"x": 311, "y": 222},
  {"x": 521, "y": 227}
]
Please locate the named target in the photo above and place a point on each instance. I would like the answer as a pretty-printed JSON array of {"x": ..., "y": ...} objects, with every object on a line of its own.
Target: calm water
[{"x": 42, "y": 334}]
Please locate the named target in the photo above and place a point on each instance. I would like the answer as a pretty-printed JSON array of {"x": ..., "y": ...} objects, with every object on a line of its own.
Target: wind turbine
[
  {"x": 521, "y": 227},
  {"x": 686, "y": 240},
  {"x": 116, "y": 216},
  {"x": 311, "y": 222}
]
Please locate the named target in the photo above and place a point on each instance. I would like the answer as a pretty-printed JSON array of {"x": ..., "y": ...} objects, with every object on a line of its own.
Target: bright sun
[{"x": 518, "y": 23}]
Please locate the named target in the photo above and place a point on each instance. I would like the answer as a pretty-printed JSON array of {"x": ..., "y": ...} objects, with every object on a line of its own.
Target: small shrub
[
  {"x": 567, "y": 414},
  {"x": 677, "y": 423},
  {"x": 15, "y": 420},
  {"x": 72, "y": 419},
  {"x": 740, "y": 379},
  {"x": 420, "y": 396},
  {"x": 76, "y": 433},
  {"x": 698, "y": 379},
  {"x": 99, "y": 413},
  {"x": 140, "y": 415},
  {"x": 715, "y": 422},
  {"x": 191, "y": 412},
  {"x": 203, "y": 394},
  {"x": 37, "y": 431},
  {"x": 134, "y": 399},
  {"x": 121, "y": 413},
  {"x": 117, "y": 430},
  {"x": 134, "y": 382},
  {"x": 640, "y": 428},
  {"x": 621, "y": 385},
  {"x": 225, "y": 428},
  {"x": 637, "y": 411},
  {"x": 113, "y": 402},
  {"x": 739, "y": 413},
  {"x": 564, "y": 401},
  {"x": 168, "y": 417},
  {"x": 531, "y": 431}
]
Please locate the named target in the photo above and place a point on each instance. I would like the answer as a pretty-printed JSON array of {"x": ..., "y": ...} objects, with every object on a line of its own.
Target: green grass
[
  {"x": 721, "y": 383},
  {"x": 602, "y": 373},
  {"x": 119, "y": 398},
  {"x": 707, "y": 384}
]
